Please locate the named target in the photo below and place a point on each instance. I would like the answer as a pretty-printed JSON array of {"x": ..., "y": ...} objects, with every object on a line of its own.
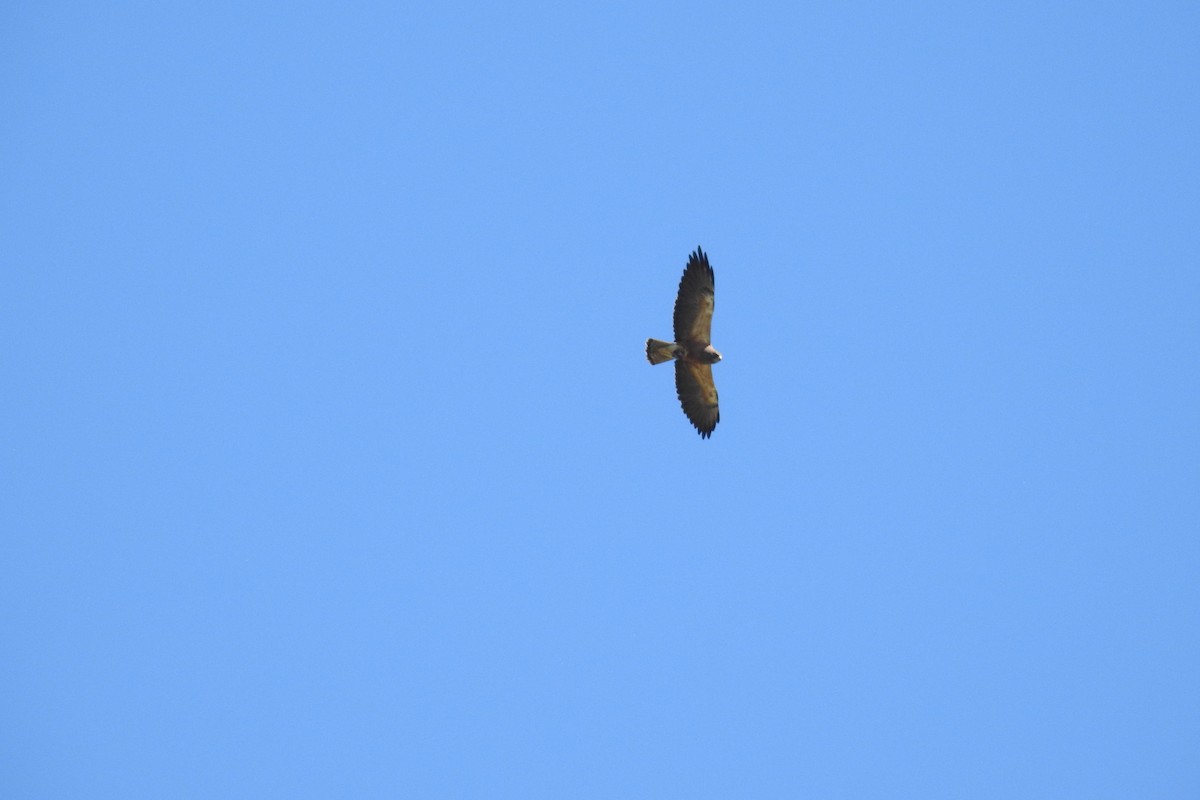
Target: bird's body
[{"x": 692, "y": 349}]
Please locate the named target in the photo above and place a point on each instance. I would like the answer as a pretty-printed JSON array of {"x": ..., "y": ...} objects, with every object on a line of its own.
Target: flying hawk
[{"x": 692, "y": 349}]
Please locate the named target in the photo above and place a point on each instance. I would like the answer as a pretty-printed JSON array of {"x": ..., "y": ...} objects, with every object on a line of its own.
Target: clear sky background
[{"x": 333, "y": 465}]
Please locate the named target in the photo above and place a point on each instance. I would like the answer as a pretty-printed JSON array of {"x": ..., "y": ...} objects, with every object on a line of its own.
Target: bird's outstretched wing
[
  {"x": 698, "y": 395},
  {"x": 694, "y": 303}
]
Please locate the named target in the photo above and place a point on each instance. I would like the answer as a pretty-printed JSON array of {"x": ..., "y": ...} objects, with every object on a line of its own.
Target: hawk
[{"x": 692, "y": 349}]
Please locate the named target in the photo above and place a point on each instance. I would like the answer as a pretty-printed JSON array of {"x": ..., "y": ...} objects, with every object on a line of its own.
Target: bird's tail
[{"x": 658, "y": 351}]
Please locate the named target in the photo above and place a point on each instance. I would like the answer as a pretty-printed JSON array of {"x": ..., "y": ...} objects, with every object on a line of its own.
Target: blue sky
[{"x": 333, "y": 466}]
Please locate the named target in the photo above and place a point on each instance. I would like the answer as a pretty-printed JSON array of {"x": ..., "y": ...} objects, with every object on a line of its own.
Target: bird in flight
[{"x": 692, "y": 349}]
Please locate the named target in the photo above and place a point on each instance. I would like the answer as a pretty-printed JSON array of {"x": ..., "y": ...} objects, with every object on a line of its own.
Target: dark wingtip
[{"x": 700, "y": 259}]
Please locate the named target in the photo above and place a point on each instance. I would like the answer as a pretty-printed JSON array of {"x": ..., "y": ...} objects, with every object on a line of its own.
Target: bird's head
[{"x": 712, "y": 354}]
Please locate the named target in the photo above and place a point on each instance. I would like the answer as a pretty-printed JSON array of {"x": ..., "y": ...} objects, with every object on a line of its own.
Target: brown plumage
[{"x": 692, "y": 349}]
